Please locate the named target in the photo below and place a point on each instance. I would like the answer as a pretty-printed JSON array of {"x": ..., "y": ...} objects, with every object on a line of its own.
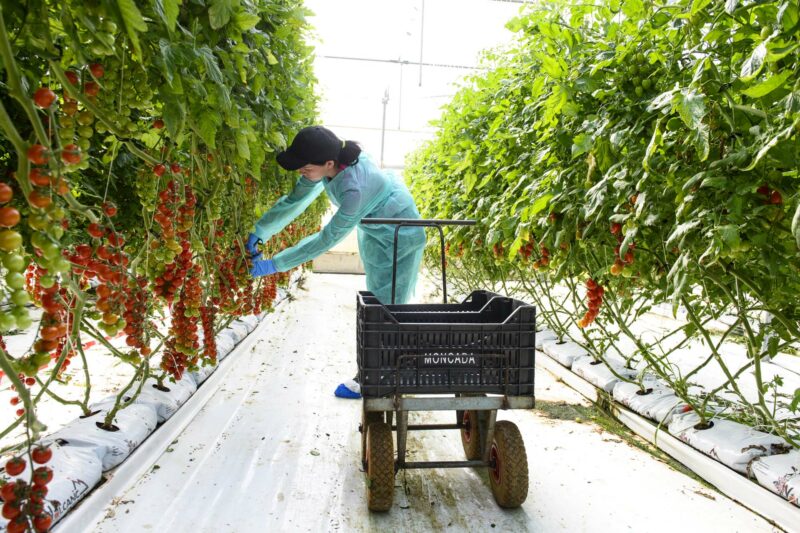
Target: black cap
[{"x": 314, "y": 145}]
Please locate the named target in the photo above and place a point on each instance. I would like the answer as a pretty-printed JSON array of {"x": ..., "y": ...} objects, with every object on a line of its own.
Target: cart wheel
[
  {"x": 508, "y": 470},
  {"x": 471, "y": 435},
  {"x": 380, "y": 467},
  {"x": 367, "y": 418}
]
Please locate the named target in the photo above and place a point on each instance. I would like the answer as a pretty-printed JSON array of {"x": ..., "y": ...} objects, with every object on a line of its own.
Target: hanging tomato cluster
[{"x": 24, "y": 500}]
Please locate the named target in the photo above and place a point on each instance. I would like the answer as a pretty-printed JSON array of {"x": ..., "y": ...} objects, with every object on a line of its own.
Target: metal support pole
[
  {"x": 421, "y": 35},
  {"x": 385, "y": 101}
]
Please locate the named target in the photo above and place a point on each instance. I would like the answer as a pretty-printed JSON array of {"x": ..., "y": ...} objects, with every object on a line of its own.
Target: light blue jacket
[{"x": 359, "y": 191}]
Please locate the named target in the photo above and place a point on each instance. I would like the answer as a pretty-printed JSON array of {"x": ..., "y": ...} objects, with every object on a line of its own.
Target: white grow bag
[
  {"x": 544, "y": 336},
  {"x": 732, "y": 444},
  {"x": 166, "y": 402},
  {"x": 565, "y": 353},
  {"x": 250, "y": 322},
  {"x": 238, "y": 331},
  {"x": 780, "y": 474},
  {"x": 135, "y": 423},
  {"x": 659, "y": 404},
  {"x": 598, "y": 374},
  {"x": 76, "y": 471}
]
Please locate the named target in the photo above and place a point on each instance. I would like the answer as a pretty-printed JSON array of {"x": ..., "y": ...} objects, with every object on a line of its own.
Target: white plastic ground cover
[
  {"x": 598, "y": 373},
  {"x": 659, "y": 404},
  {"x": 250, "y": 322},
  {"x": 76, "y": 470},
  {"x": 166, "y": 402},
  {"x": 780, "y": 474},
  {"x": 203, "y": 373},
  {"x": 544, "y": 336},
  {"x": 135, "y": 423},
  {"x": 734, "y": 445},
  {"x": 565, "y": 352}
]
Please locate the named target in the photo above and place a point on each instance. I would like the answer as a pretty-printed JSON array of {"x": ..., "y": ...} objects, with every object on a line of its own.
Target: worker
[{"x": 359, "y": 189}]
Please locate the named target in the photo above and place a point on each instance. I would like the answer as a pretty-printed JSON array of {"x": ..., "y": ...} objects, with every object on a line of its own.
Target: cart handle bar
[
  {"x": 434, "y": 223},
  {"x": 418, "y": 221}
]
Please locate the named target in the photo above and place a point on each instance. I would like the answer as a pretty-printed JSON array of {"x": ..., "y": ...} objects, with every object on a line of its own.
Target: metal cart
[{"x": 473, "y": 358}]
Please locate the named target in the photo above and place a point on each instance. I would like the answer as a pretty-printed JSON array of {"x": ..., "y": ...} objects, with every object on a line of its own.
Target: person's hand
[
  {"x": 264, "y": 267},
  {"x": 252, "y": 246}
]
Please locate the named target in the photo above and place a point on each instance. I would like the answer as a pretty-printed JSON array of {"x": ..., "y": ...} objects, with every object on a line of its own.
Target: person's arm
[
  {"x": 287, "y": 208},
  {"x": 342, "y": 223}
]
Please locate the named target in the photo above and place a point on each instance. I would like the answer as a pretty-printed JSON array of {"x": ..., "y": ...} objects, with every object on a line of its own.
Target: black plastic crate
[{"x": 484, "y": 345}]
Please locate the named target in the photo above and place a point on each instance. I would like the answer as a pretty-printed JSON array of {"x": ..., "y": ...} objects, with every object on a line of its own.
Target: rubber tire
[
  {"x": 366, "y": 419},
  {"x": 509, "y": 482},
  {"x": 380, "y": 467},
  {"x": 471, "y": 441}
]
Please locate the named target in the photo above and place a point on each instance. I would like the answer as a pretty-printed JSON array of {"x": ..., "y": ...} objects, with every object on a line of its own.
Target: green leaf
[
  {"x": 581, "y": 144},
  {"x": 700, "y": 141},
  {"x": 540, "y": 204},
  {"x": 753, "y": 65},
  {"x": 168, "y": 11},
  {"x": 768, "y": 85},
  {"x": 699, "y": 5},
  {"x": 796, "y": 225},
  {"x": 246, "y": 21},
  {"x": 691, "y": 107},
  {"x": 133, "y": 22},
  {"x": 242, "y": 146},
  {"x": 655, "y": 142},
  {"x": 271, "y": 59},
  {"x": 207, "y": 124},
  {"x": 219, "y": 14},
  {"x": 730, "y": 235},
  {"x": 210, "y": 64},
  {"x": 771, "y": 144}
]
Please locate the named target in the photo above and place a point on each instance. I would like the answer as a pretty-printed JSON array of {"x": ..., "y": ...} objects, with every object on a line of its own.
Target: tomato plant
[
  {"x": 652, "y": 149},
  {"x": 135, "y": 163}
]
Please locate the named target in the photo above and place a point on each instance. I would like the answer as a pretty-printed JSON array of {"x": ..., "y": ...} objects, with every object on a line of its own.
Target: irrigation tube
[
  {"x": 732, "y": 484},
  {"x": 91, "y": 510}
]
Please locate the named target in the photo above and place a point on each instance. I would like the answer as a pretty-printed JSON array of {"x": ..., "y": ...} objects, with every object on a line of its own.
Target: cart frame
[{"x": 398, "y": 406}]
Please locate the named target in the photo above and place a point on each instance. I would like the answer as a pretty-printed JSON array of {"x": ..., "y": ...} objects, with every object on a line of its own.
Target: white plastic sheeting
[
  {"x": 599, "y": 374},
  {"x": 780, "y": 474},
  {"x": 134, "y": 424},
  {"x": 202, "y": 373},
  {"x": 733, "y": 444},
  {"x": 659, "y": 404},
  {"x": 544, "y": 336},
  {"x": 565, "y": 352},
  {"x": 250, "y": 322},
  {"x": 166, "y": 401},
  {"x": 76, "y": 470}
]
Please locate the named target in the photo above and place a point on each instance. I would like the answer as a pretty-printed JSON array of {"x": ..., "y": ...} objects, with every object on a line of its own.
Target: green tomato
[
  {"x": 38, "y": 221},
  {"x": 47, "y": 281},
  {"x": 39, "y": 240},
  {"x": 10, "y": 240},
  {"x": 108, "y": 26},
  {"x": 15, "y": 280},
  {"x": 50, "y": 250},
  {"x": 84, "y": 144},
  {"x": 56, "y": 231},
  {"x": 765, "y": 32},
  {"x": 20, "y": 297},
  {"x": 14, "y": 262},
  {"x": 57, "y": 214},
  {"x": 646, "y": 83},
  {"x": 40, "y": 359},
  {"x": 60, "y": 265},
  {"x": 7, "y": 321},
  {"x": 639, "y": 91},
  {"x": 86, "y": 132},
  {"x": 85, "y": 118},
  {"x": 19, "y": 312}
]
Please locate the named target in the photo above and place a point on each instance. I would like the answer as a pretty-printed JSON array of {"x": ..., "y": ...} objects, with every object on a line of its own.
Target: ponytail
[{"x": 348, "y": 155}]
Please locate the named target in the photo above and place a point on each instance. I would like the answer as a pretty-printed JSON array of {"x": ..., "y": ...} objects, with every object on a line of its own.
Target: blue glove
[
  {"x": 252, "y": 246},
  {"x": 264, "y": 267}
]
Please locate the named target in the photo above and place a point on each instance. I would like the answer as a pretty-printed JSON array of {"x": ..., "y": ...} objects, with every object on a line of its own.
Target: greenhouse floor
[{"x": 274, "y": 450}]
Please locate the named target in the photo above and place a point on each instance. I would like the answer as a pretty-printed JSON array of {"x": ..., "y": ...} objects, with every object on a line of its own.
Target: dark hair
[{"x": 349, "y": 153}]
